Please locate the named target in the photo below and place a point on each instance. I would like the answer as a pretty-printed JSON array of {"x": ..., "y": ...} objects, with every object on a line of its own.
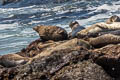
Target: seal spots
[
  {"x": 113, "y": 19},
  {"x": 51, "y": 33},
  {"x": 99, "y": 27},
  {"x": 12, "y": 60},
  {"x": 104, "y": 40},
  {"x": 75, "y": 28},
  {"x": 64, "y": 45}
]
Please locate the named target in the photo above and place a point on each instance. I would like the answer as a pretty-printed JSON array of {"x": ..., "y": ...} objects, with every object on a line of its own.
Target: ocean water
[{"x": 18, "y": 19}]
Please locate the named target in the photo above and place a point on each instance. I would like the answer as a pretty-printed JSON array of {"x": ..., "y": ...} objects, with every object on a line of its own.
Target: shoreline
[{"x": 92, "y": 54}]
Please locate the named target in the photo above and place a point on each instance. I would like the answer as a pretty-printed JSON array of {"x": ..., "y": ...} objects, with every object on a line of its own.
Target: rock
[
  {"x": 51, "y": 33},
  {"x": 104, "y": 40},
  {"x": 113, "y": 19},
  {"x": 31, "y": 50},
  {"x": 12, "y": 60},
  {"x": 75, "y": 28},
  {"x": 98, "y": 27},
  {"x": 85, "y": 70},
  {"x": 109, "y": 58},
  {"x": 46, "y": 67}
]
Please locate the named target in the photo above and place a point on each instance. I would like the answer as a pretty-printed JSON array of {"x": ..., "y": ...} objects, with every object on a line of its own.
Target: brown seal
[
  {"x": 51, "y": 33},
  {"x": 75, "y": 28},
  {"x": 58, "y": 46},
  {"x": 12, "y": 60},
  {"x": 113, "y": 19},
  {"x": 104, "y": 40}
]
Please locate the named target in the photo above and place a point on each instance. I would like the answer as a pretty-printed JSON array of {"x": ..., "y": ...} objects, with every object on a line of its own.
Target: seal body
[
  {"x": 99, "y": 27},
  {"x": 51, "y": 33},
  {"x": 75, "y": 29},
  {"x": 113, "y": 19},
  {"x": 12, "y": 60},
  {"x": 104, "y": 40}
]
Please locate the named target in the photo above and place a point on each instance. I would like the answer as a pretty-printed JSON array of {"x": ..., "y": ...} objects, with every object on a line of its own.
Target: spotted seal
[
  {"x": 99, "y": 27},
  {"x": 104, "y": 40},
  {"x": 51, "y": 33},
  {"x": 112, "y": 19},
  {"x": 75, "y": 28},
  {"x": 12, "y": 60},
  {"x": 68, "y": 44}
]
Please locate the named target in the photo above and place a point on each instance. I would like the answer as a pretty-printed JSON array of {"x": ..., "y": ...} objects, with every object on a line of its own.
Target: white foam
[
  {"x": 5, "y": 36},
  {"x": 8, "y": 26}
]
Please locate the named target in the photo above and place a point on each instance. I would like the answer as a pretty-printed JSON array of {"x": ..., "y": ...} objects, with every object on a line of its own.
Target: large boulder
[
  {"x": 85, "y": 70},
  {"x": 109, "y": 58},
  {"x": 67, "y": 64}
]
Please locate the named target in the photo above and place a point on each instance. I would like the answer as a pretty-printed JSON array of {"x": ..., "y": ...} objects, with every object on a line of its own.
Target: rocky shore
[{"x": 91, "y": 53}]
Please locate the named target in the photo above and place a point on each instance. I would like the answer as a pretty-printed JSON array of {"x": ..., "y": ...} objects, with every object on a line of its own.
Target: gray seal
[
  {"x": 112, "y": 19},
  {"x": 75, "y": 26}
]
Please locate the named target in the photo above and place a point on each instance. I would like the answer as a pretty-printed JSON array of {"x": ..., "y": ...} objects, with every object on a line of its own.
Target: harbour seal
[
  {"x": 75, "y": 28},
  {"x": 12, "y": 60},
  {"x": 51, "y": 33},
  {"x": 69, "y": 44},
  {"x": 99, "y": 27},
  {"x": 115, "y": 32},
  {"x": 113, "y": 19},
  {"x": 104, "y": 40}
]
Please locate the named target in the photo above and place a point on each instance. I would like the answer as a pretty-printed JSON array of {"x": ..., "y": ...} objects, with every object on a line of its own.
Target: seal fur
[
  {"x": 51, "y": 33},
  {"x": 104, "y": 40},
  {"x": 99, "y": 27},
  {"x": 12, "y": 60},
  {"x": 75, "y": 28},
  {"x": 63, "y": 45},
  {"x": 112, "y": 19}
]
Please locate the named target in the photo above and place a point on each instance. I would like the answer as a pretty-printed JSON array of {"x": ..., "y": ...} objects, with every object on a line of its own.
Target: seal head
[
  {"x": 75, "y": 29},
  {"x": 113, "y": 19}
]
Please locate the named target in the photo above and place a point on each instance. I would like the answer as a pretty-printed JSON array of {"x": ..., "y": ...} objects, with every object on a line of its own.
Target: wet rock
[
  {"x": 31, "y": 50},
  {"x": 109, "y": 58},
  {"x": 46, "y": 67},
  {"x": 51, "y": 33},
  {"x": 85, "y": 70}
]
